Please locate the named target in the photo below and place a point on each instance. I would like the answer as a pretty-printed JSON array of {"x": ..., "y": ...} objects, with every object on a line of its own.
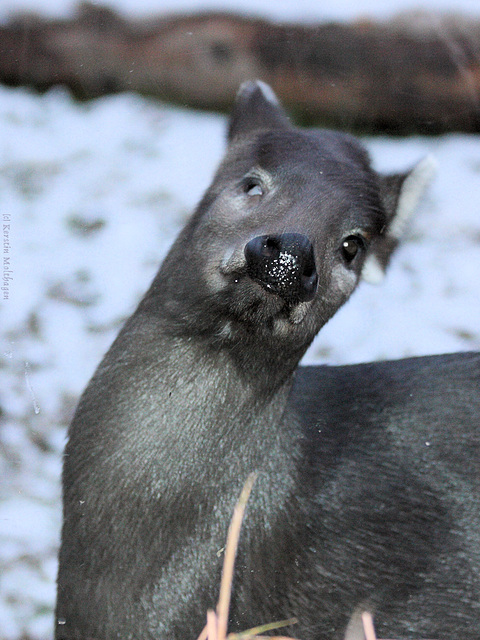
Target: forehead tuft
[
  {"x": 309, "y": 149},
  {"x": 279, "y": 148}
]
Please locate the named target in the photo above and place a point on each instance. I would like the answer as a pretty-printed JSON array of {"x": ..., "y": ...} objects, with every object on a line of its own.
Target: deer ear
[
  {"x": 256, "y": 107},
  {"x": 400, "y": 195}
]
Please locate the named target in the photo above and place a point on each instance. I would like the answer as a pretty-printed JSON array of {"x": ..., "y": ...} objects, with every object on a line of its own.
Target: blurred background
[
  {"x": 300, "y": 10},
  {"x": 97, "y": 178}
]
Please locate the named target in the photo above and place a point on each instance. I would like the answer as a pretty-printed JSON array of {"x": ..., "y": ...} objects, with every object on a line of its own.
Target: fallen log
[{"x": 419, "y": 73}]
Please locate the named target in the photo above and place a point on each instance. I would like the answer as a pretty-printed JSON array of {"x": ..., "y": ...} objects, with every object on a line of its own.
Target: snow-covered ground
[{"x": 91, "y": 195}]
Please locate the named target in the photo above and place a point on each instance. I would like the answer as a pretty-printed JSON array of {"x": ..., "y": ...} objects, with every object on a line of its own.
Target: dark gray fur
[{"x": 368, "y": 489}]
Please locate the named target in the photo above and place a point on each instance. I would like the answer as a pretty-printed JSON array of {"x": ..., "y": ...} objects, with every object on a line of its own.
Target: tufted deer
[{"x": 368, "y": 489}]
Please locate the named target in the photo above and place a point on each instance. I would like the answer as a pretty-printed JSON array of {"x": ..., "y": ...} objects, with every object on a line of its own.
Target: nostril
[
  {"x": 309, "y": 270},
  {"x": 308, "y": 287},
  {"x": 270, "y": 248}
]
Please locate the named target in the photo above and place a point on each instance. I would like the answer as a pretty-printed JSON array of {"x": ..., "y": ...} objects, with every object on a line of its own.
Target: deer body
[{"x": 367, "y": 490}]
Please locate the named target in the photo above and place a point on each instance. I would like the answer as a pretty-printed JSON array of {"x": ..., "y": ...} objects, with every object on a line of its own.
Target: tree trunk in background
[{"x": 418, "y": 73}]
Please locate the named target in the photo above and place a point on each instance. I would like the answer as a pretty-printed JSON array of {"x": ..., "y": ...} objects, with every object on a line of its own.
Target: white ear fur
[
  {"x": 411, "y": 191},
  {"x": 248, "y": 87},
  {"x": 256, "y": 107}
]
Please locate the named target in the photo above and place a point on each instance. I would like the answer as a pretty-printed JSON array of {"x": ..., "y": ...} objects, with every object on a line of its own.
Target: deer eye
[
  {"x": 252, "y": 187},
  {"x": 351, "y": 246}
]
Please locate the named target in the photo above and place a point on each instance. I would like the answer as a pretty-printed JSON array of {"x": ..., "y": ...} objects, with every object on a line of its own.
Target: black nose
[{"x": 283, "y": 264}]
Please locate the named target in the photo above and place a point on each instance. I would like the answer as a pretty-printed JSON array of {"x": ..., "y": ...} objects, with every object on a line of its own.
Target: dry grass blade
[
  {"x": 204, "y": 633},
  {"x": 212, "y": 625},
  {"x": 368, "y": 628},
  {"x": 216, "y": 627},
  {"x": 230, "y": 555},
  {"x": 257, "y": 631}
]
